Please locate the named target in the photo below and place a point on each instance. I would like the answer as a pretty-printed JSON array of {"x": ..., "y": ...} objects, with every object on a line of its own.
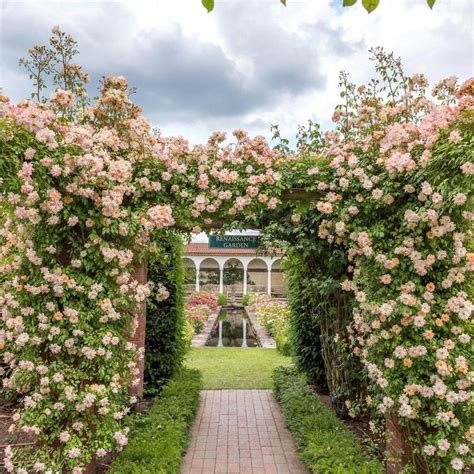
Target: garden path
[{"x": 240, "y": 431}]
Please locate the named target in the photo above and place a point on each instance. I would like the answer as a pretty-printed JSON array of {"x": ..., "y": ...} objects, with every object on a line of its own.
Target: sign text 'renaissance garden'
[{"x": 233, "y": 241}]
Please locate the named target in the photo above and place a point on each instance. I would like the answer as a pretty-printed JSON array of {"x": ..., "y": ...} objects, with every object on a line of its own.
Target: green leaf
[
  {"x": 370, "y": 5},
  {"x": 348, "y": 3},
  {"x": 430, "y": 3},
  {"x": 208, "y": 5},
  {"x": 283, "y": 2}
]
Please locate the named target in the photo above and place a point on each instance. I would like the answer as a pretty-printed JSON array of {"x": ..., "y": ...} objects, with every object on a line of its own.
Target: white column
[
  {"x": 244, "y": 332},
  {"x": 245, "y": 279},
  {"x": 269, "y": 280},
  {"x": 219, "y": 342},
  {"x": 197, "y": 277},
  {"x": 221, "y": 279}
]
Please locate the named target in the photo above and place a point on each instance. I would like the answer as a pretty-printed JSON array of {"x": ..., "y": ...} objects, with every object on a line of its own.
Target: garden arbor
[{"x": 89, "y": 194}]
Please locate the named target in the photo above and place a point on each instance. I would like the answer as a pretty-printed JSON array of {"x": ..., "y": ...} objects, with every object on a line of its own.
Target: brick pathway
[{"x": 240, "y": 431}]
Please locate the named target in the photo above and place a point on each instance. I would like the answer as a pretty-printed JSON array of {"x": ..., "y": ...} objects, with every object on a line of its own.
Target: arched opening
[
  {"x": 189, "y": 270},
  {"x": 209, "y": 275},
  {"x": 278, "y": 284},
  {"x": 233, "y": 277},
  {"x": 257, "y": 276}
]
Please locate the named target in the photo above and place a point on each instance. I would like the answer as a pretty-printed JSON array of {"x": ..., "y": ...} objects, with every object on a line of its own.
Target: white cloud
[{"x": 247, "y": 64}]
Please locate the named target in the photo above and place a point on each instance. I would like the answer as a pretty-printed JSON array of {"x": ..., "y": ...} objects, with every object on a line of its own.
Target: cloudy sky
[{"x": 245, "y": 65}]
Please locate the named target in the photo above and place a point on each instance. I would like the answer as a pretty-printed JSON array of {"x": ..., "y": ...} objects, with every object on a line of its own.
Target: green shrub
[
  {"x": 164, "y": 345},
  {"x": 325, "y": 444},
  {"x": 188, "y": 334},
  {"x": 159, "y": 438},
  {"x": 222, "y": 299},
  {"x": 303, "y": 299},
  {"x": 284, "y": 344},
  {"x": 245, "y": 299}
]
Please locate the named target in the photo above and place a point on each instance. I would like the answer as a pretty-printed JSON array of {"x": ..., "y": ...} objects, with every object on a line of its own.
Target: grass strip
[
  {"x": 324, "y": 443},
  {"x": 235, "y": 367},
  {"x": 159, "y": 438}
]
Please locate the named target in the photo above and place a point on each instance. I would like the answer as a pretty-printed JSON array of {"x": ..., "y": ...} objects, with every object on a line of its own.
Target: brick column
[
  {"x": 138, "y": 338},
  {"x": 399, "y": 451}
]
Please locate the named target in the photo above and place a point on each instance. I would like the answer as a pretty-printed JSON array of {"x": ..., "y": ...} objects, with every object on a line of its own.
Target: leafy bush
[
  {"x": 221, "y": 299},
  {"x": 325, "y": 444},
  {"x": 188, "y": 333},
  {"x": 158, "y": 439},
  {"x": 321, "y": 312},
  {"x": 303, "y": 300},
  {"x": 245, "y": 299},
  {"x": 197, "y": 316},
  {"x": 164, "y": 345}
]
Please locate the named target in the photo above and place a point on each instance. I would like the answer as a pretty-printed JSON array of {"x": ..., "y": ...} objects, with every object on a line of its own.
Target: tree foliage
[{"x": 369, "y": 5}]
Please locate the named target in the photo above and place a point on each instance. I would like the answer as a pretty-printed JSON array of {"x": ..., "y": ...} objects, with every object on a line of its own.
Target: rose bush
[
  {"x": 203, "y": 298},
  {"x": 395, "y": 195},
  {"x": 83, "y": 191},
  {"x": 198, "y": 307}
]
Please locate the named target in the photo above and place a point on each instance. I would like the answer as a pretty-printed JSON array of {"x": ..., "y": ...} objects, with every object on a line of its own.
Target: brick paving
[{"x": 240, "y": 431}]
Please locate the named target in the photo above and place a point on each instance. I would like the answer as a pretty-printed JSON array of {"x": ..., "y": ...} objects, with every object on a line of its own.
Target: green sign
[{"x": 233, "y": 241}]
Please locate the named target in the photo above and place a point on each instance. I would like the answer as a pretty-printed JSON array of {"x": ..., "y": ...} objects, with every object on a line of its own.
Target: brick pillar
[
  {"x": 399, "y": 452},
  {"x": 138, "y": 338}
]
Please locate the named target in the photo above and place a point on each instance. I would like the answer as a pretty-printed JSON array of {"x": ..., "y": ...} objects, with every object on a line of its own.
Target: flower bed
[
  {"x": 274, "y": 316},
  {"x": 198, "y": 308}
]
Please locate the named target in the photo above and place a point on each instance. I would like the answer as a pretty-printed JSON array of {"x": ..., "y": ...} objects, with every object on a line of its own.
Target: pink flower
[
  {"x": 63, "y": 99},
  {"x": 324, "y": 207},
  {"x": 460, "y": 199},
  {"x": 455, "y": 136},
  {"x": 399, "y": 162},
  {"x": 160, "y": 216},
  {"x": 74, "y": 453},
  {"x": 72, "y": 221}
]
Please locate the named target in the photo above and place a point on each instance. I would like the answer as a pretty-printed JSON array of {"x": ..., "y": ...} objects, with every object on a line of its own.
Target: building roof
[{"x": 196, "y": 248}]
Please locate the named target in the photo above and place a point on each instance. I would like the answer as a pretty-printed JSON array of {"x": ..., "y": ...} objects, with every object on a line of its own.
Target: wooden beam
[{"x": 300, "y": 194}]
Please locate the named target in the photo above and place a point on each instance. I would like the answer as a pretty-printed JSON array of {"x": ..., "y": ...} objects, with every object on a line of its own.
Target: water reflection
[{"x": 233, "y": 329}]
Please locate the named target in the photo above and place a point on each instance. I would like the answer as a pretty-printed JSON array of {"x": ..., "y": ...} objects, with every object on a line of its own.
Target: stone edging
[
  {"x": 199, "y": 340},
  {"x": 266, "y": 341}
]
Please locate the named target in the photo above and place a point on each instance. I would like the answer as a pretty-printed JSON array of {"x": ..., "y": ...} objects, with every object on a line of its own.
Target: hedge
[
  {"x": 303, "y": 299},
  {"x": 164, "y": 344},
  {"x": 325, "y": 444},
  {"x": 158, "y": 439}
]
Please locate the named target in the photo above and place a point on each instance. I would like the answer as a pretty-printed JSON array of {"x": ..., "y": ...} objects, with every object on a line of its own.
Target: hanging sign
[{"x": 233, "y": 241}]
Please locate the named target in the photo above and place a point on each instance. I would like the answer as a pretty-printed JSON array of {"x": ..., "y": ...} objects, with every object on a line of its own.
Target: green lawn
[{"x": 235, "y": 367}]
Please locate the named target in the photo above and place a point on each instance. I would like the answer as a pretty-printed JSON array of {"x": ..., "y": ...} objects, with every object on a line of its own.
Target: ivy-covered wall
[{"x": 164, "y": 346}]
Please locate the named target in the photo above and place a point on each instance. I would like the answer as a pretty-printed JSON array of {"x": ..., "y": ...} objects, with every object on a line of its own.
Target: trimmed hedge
[
  {"x": 164, "y": 340},
  {"x": 304, "y": 298},
  {"x": 325, "y": 444},
  {"x": 158, "y": 439}
]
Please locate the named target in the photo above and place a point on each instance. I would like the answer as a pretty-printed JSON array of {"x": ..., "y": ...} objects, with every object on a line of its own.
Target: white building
[{"x": 238, "y": 270}]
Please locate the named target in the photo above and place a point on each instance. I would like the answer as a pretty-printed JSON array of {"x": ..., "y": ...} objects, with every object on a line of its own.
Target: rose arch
[{"x": 90, "y": 192}]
